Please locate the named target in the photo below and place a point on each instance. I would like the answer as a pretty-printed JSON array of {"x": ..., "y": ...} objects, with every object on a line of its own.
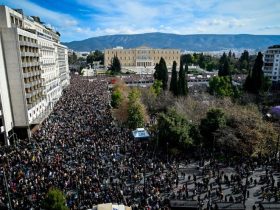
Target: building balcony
[
  {"x": 47, "y": 82},
  {"x": 27, "y": 74},
  {"x": 29, "y": 64},
  {"x": 28, "y": 95},
  {"x": 31, "y": 84},
  {"x": 31, "y": 74},
  {"x": 47, "y": 64},
  {"x": 34, "y": 93},
  {"x": 46, "y": 48},
  {"x": 29, "y": 44},
  {"x": 29, "y": 54}
]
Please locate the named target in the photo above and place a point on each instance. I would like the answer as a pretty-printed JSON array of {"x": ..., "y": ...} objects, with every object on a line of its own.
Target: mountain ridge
[{"x": 190, "y": 42}]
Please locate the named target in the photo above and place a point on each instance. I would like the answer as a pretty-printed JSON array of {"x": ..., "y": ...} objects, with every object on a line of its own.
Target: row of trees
[
  {"x": 210, "y": 63},
  {"x": 205, "y": 123},
  {"x": 93, "y": 56},
  {"x": 115, "y": 67},
  {"x": 128, "y": 107},
  {"x": 178, "y": 84},
  {"x": 256, "y": 82},
  {"x": 221, "y": 127},
  {"x": 161, "y": 73},
  {"x": 97, "y": 55}
]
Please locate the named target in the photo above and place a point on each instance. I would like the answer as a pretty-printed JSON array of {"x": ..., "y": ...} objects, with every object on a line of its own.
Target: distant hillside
[{"x": 196, "y": 42}]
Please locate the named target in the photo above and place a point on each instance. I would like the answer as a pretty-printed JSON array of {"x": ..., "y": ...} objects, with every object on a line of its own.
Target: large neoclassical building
[{"x": 142, "y": 59}]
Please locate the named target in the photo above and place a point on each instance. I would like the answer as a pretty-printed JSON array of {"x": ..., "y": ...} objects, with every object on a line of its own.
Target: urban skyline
[{"x": 81, "y": 19}]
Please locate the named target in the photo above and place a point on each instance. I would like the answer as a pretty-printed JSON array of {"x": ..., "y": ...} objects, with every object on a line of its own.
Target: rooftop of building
[
  {"x": 141, "y": 47},
  {"x": 274, "y": 46},
  {"x": 33, "y": 19}
]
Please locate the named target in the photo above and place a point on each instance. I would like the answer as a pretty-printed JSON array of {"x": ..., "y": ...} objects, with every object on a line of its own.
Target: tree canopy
[
  {"x": 214, "y": 120},
  {"x": 136, "y": 110},
  {"x": 256, "y": 82},
  {"x": 95, "y": 56},
  {"x": 54, "y": 200},
  {"x": 174, "y": 83},
  {"x": 115, "y": 67},
  {"x": 182, "y": 83},
  {"x": 174, "y": 129},
  {"x": 221, "y": 86},
  {"x": 72, "y": 58},
  {"x": 224, "y": 69},
  {"x": 161, "y": 73},
  {"x": 116, "y": 98}
]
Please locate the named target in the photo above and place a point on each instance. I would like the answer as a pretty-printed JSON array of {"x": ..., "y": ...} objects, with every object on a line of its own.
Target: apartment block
[
  {"x": 142, "y": 58},
  {"x": 34, "y": 70},
  {"x": 271, "y": 65}
]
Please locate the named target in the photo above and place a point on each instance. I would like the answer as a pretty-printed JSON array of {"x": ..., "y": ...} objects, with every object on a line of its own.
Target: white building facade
[
  {"x": 271, "y": 65},
  {"x": 29, "y": 63}
]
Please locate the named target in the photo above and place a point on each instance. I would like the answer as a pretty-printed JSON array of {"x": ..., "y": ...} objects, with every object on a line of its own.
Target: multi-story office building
[
  {"x": 271, "y": 65},
  {"x": 34, "y": 71},
  {"x": 62, "y": 64},
  {"x": 141, "y": 58}
]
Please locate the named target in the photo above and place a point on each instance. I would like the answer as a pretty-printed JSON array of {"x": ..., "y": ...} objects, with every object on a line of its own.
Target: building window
[{"x": 12, "y": 20}]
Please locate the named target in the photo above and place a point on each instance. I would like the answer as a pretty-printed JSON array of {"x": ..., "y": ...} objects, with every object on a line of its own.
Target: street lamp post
[
  {"x": 7, "y": 189},
  {"x": 144, "y": 179},
  {"x": 277, "y": 147},
  {"x": 145, "y": 172},
  {"x": 167, "y": 151}
]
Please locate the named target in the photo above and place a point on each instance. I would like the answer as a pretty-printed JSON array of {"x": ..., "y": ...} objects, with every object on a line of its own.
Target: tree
[
  {"x": 157, "y": 73},
  {"x": 222, "y": 59},
  {"x": 120, "y": 101},
  {"x": 201, "y": 61},
  {"x": 72, "y": 58},
  {"x": 173, "y": 83},
  {"x": 244, "y": 61},
  {"x": 182, "y": 88},
  {"x": 221, "y": 86},
  {"x": 161, "y": 73},
  {"x": 136, "y": 115},
  {"x": 95, "y": 56},
  {"x": 156, "y": 87},
  {"x": 174, "y": 129},
  {"x": 214, "y": 120},
  {"x": 136, "y": 110},
  {"x": 246, "y": 132},
  {"x": 187, "y": 58},
  {"x": 255, "y": 81},
  {"x": 115, "y": 66},
  {"x": 54, "y": 200},
  {"x": 116, "y": 98},
  {"x": 229, "y": 54},
  {"x": 186, "y": 79},
  {"x": 224, "y": 69}
]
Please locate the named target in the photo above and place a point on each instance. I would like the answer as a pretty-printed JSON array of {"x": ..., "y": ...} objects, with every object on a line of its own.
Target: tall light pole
[
  {"x": 145, "y": 172},
  {"x": 167, "y": 151},
  {"x": 6, "y": 184}
]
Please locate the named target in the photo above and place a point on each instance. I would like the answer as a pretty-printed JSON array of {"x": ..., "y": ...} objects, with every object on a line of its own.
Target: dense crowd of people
[{"x": 80, "y": 150}]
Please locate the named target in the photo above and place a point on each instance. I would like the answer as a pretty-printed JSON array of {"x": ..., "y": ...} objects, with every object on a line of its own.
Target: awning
[
  {"x": 140, "y": 133},
  {"x": 184, "y": 205},
  {"x": 270, "y": 206},
  {"x": 230, "y": 206}
]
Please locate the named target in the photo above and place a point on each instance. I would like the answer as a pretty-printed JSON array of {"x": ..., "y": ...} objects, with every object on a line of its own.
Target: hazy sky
[{"x": 80, "y": 19}]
